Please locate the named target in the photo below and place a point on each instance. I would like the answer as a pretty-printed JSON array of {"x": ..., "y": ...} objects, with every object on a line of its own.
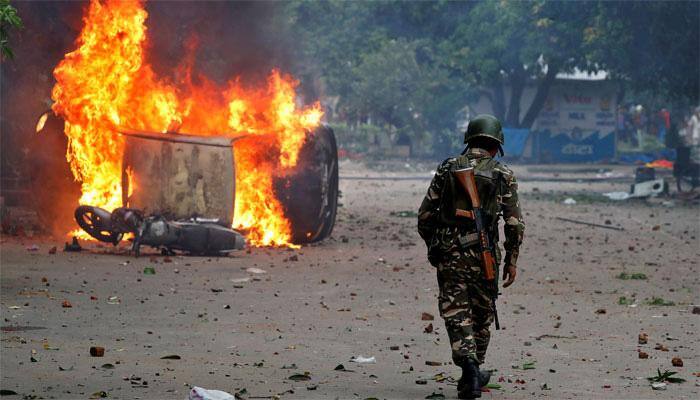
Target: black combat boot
[
  {"x": 484, "y": 378},
  {"x": 469, "y": 385}
]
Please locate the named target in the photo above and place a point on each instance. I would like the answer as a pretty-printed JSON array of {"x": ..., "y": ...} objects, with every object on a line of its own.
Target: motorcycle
[{"x": 196, "y": 236}]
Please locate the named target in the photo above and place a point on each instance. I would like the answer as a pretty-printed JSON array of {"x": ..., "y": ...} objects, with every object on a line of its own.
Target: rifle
[{"x": 465, "y": 177}]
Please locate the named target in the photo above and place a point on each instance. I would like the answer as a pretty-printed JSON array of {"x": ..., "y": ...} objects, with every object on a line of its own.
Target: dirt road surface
[{"x": 570, "y": 315}]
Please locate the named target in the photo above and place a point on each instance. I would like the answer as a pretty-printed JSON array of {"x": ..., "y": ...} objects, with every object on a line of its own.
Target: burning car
[{"x": 185, "y": 146}]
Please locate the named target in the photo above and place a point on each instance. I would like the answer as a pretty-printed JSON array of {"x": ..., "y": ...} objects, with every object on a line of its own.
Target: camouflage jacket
[{"x": 442, "y": 240}]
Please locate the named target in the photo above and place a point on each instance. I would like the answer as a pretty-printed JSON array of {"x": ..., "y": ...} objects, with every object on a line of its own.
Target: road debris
[
  {"x": 574, "y": 221},
  {"x": 254, "y": 270},
  {"x": 643, "y": 338},
  {"x": 306, "y": 376},
  {"x": 198, "y": 393},
  {"x": 74, "y": 246},
  {"x": 97, "y": 351},
  {"x": 363, "y": 360}
]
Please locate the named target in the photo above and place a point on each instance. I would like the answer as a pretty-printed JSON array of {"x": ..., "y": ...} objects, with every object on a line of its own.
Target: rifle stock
[{"x": 465, "y": 177}]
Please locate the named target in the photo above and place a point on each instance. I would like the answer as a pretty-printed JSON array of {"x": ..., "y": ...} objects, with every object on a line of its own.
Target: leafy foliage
[
  {"x": 8, "y": 19},
  {"x": 412, "y": 67},
  {"x": 666, "y": 376}
]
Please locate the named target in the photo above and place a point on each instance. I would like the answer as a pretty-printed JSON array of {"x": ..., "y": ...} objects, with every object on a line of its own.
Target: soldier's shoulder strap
[{"x": 504, "y": 171}]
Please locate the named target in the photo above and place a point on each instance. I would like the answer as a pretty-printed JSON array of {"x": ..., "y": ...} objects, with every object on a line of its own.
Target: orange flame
[{"x": 107, "y": 83}]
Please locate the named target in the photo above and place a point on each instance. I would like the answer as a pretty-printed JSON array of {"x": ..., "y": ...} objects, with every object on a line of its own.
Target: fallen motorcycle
[{"x": 195, "y": 236}]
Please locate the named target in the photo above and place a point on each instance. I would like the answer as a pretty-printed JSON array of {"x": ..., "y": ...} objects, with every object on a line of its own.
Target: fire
[{"x": 107, "y": 83}]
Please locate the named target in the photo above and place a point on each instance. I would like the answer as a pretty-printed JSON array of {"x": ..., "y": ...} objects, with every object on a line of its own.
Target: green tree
[
  {"x": 650, "y": 48},
  {"x": 384, "y": 62},
  {"x": 8, "y": 19},
  {"x": 511, "y": 44}
]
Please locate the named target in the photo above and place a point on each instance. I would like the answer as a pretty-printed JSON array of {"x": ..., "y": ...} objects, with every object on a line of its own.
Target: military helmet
[{"x": 484, "y": 125}]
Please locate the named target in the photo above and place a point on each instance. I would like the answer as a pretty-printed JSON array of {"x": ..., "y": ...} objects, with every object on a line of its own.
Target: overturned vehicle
[{"x": 179, "y": 191}]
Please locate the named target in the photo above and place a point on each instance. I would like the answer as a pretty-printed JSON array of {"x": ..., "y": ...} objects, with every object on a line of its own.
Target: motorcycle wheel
[{"x": 96, "y": 222}]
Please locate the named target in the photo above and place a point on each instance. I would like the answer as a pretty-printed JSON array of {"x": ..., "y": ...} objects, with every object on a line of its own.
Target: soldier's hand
[{"x": 509, "y": 275}]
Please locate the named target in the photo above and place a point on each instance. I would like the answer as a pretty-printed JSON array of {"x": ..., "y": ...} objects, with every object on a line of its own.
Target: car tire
[{"x": 309, "y": 193}]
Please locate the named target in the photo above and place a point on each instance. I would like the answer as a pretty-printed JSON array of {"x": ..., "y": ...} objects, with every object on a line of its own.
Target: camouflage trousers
[{"x": 466, "y": 306}]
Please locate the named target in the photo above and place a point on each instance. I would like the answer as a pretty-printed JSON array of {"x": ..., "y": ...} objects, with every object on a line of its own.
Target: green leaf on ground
[
  {"x": 666, "y": 376},
  {"x": 624, "y": 301},
  {"x": 529, "y": 365},
  {"x": 659, "y": 301},
  {"x": 634, "y": 276},
  {"x": 494, "y": 386},
  {"x": 149, "y": 271}
]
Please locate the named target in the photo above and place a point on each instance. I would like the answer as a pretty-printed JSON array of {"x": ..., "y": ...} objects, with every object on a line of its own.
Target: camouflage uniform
[{"x": 465, "y": 299}]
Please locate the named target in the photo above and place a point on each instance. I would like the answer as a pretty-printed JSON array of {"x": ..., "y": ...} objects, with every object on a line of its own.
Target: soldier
[{"x": 465, "y": 300}]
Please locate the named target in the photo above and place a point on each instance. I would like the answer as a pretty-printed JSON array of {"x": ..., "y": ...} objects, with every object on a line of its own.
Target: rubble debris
[
  {"x": 427, "y": 317},
  {"x": 590, "y": 224},
  {"x": 74, "y": 246},
  {"x": 66, "y": 304},
  {"x": 306, "y": 376},
  {"x": 643, "y": 355},
  {"x": 643, "y": 338},
  {"x": 661, "y": 347},
  {"x": 677, "y": 362},
  {"x": 97, "y": 351},
  {"x": 429, "y": 328},
  {"x": 171, "y": 357}
]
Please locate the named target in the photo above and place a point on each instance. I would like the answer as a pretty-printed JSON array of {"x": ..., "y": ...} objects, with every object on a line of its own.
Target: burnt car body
[{"x": 182, "y": 177}]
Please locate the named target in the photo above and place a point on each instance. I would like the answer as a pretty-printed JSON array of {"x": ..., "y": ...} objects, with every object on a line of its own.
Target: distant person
[
  {"x": 693, "y": 130},
  {"x": 466, "y": 301}
]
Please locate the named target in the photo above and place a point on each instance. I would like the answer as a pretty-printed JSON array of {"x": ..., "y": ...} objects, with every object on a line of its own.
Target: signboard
[{"x": 576, "y": 124}]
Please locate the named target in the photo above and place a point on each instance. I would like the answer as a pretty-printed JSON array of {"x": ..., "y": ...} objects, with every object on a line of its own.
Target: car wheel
[{"x": 309, "y": 193}]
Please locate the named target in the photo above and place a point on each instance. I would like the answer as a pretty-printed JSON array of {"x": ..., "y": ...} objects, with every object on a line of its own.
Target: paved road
[{"x": 362, "y": 292}]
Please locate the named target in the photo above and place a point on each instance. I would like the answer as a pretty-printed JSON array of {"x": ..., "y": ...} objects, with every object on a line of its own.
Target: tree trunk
[
  {"x": 518, "y": 79},
  {"x": 540, "y": 96},
  {"x": 499, "y": 105}
]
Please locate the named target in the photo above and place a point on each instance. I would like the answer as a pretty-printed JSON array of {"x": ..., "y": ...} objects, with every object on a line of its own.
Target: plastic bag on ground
[
  {"x": 363, "y": 360},
  {"x": 198, "y": 393},
  {"x": 617, "y": 195}
]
